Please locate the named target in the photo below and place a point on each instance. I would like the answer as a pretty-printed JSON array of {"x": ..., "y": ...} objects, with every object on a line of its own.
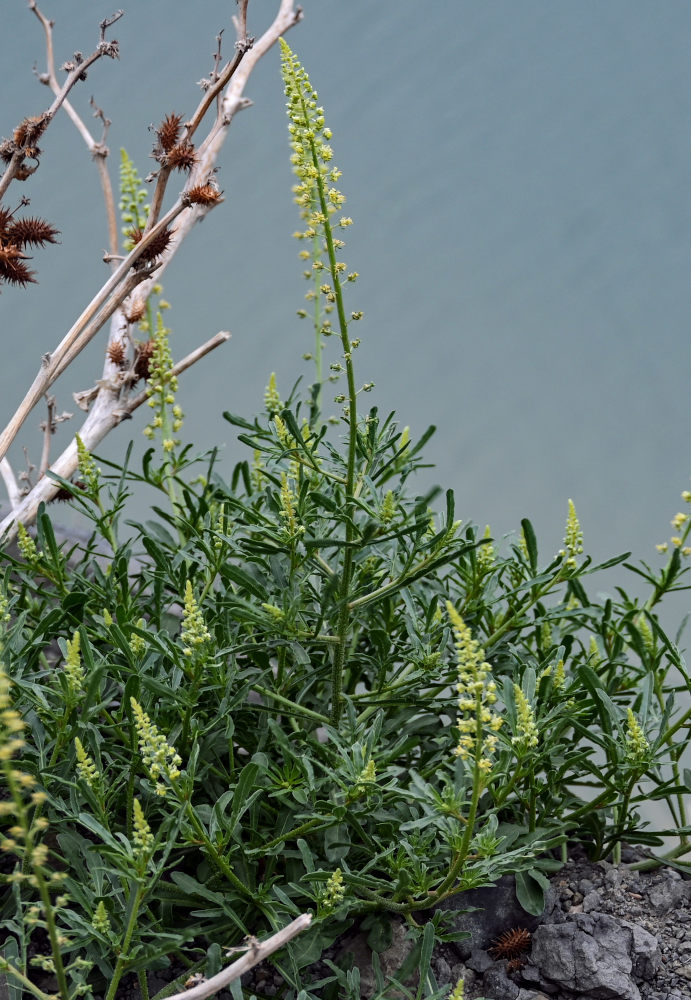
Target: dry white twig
[
  {"x": 107, "y": 413},
  {"x": 256, "y": 953},
  {"x": 127, "y": 280}
]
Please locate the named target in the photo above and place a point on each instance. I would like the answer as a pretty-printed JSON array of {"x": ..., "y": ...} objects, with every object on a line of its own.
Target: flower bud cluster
[
  {"x": 573, "y": 538},
  {"x": 86, "y": 769},
  {"x": 160, "y": 759},
  {"x": 527, "y": 735},
  {"x": 88, "y": 471},
  {"x": 142, "y": 837},
  {"x": 334, "y": 892},
  {"x": 476, "y": 695},
  {"x": 26, "y": 545},
  {"x": 637, "y": 747},
  {"x": 292, "y": 527}
]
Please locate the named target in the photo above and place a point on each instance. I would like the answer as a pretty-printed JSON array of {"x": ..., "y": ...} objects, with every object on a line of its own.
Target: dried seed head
[
  {"x": 168, "y": 133},
  {"x": 30, "y": 130},
  {"x": 136, "y": 313},
  {"x": 142, "y": 364},
  {"x": 31, "y": 232},
  {"x": 157, "y": 246},
  {"x": 511, "y": 944},
  {"x": 12, "y": 269},
  {"x": 182, "y": 156},
  {"x": 116, "y": 353},
  {"x": 204, "y": 194}
]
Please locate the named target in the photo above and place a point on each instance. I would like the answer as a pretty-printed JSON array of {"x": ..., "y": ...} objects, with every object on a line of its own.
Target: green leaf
[
  {"x": 530, "y": 543},
  {"x": 531, "y": 887}
]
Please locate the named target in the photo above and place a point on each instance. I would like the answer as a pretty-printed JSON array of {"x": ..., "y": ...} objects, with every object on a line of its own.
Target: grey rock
[
  {"x": 479, "y": 961},
  {"x": 592, "y": 901},
  {"x": 496, "y": 909},
  {"x": 595, "y": 955},
  {"x": 496, "y": 984}
]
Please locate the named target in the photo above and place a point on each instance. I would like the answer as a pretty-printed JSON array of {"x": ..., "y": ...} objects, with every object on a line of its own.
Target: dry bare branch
[
  {"x": 132, "y": 278},
  {"x": 257, "y": 951}
]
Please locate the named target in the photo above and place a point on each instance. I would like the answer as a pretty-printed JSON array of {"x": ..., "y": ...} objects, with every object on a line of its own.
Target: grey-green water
[{"x": 519, "y": 176}]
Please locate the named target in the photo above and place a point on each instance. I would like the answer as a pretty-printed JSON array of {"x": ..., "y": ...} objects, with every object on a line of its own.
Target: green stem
[
  {"x": 298, "y": 831},
  {"x": 49, "y": 915},
  {"x": 135, "y": 902},
  {"x": 349, "y": 508},
  {"x": 478, "y": 783},
  {"x": 8, "y": 969},
  {"x": 294, "y": 708}
]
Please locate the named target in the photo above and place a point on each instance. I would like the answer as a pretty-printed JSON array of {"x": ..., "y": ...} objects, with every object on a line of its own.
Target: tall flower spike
[
  {"x": 161, "y": 760},
  {"x": 318, "y": 199},
  {"x": 476, "y": 695}
]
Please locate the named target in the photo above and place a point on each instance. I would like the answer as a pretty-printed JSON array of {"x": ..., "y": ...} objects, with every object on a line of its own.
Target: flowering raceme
[{"x": 477, "y": 723}]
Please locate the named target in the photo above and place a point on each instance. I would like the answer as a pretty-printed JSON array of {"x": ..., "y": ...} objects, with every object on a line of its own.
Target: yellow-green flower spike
[
  {"x": 573, "y": 538},
  {"x": 74, "y": 671},
  {"x": 637, "y": 746},
  {"x": 387, "y": 511},
  {"x": 476, "y": 694},
  {"x": 194, "y": 632},
  {"x": 133, "y": 208},
  {"x": 272, "y": 399},
  {"x": 87, "y": 467},
  {"x": 335, "y": 891},
  {"x": 288, "y": 499},
  {"x": 160, "y": 759},
  {"x": 86, "y": 769},
  {"x": 527, "y": 736},
  {"x": 100, "y": 920},
  {"x": 485, "y": 553},
  {"x": 142, "y": 837},
  {"x": 11, "y": 723},
  {"x": 368, "y": 775},
  {"x": 458, "y": 992},
  {"x": 26, "y": 544},
  {"x": 137, "y": 643},
  {"x": 161, "y": 388}
]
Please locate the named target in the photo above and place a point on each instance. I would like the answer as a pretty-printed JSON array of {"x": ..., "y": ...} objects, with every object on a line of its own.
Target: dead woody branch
[{"x": 125, "y": 293}]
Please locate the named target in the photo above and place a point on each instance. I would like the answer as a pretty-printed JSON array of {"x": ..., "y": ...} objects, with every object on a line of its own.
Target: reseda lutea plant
[{"x": 308, "y": 689}]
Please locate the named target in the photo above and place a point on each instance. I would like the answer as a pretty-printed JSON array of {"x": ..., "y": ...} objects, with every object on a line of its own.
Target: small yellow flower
[{"x": 678, "y": 521}]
